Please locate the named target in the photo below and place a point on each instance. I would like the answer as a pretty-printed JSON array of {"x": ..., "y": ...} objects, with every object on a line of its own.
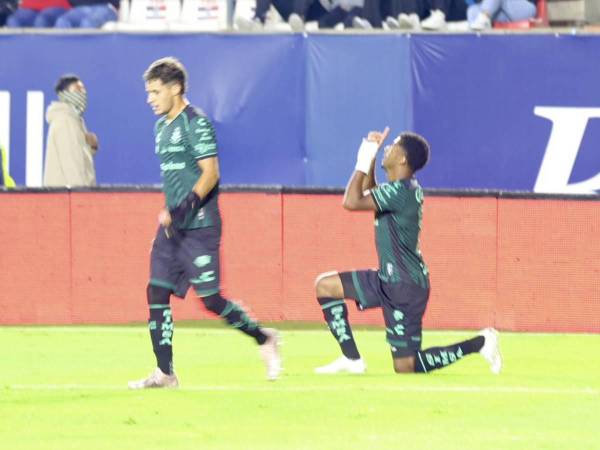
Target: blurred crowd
[
  {"x": 391, "y": 14},
  {"x": 292, "y": 15},
  {"x": 57, "y": 13}
]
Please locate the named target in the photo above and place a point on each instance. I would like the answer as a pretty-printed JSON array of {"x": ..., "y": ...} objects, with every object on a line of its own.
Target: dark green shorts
[
  {"x": 189, "y": 258},
  {"x": 403, "y": 306}
]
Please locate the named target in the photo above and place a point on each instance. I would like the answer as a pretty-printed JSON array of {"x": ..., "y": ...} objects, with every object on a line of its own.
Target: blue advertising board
[{"x": 508, "y": 112}]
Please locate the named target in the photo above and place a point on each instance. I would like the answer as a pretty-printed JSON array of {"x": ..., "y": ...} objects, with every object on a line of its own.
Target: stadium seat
[
  {"x": 151, "y": 14},
  {"x": 202, "y": 15},
  {"x": 540, "y": 20}
]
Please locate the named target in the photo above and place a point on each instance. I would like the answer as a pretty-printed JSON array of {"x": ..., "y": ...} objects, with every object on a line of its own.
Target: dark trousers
[
  {"x": 6, "y": 9},
  {"x": 372, "y": 12},
  {"x": 455, "y": 10},
  {"x": 307, "y": 9},
  {"x": 395, "y": 7},
  {"x": 375, "y": 10},
  {"x": 337, "y": 15}
]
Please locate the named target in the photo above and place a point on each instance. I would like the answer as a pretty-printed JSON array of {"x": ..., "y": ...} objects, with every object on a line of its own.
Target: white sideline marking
[
  {"x": 109, "y": 330},
  {"x": 281, "y": 388}
]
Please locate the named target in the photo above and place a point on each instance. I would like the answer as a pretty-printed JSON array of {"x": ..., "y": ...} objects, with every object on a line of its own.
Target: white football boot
[
  {"x": 491, "y": 349},
  {"x": 269, "y": 351},
  {"x": 157, "y": 379},
  {"x": 343, "y": 364}
]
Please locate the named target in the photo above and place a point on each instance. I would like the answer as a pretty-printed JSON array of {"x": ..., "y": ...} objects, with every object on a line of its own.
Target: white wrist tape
[{"x": 366, "y": 155}]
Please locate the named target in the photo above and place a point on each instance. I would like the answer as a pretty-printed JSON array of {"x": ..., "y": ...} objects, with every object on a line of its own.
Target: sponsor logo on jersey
[
  {"x": 172, "y": 166},
  {"x": 176, "y": 136},
  {"x": 204, "y": 147},
  {"x": 174, "y": 148}
]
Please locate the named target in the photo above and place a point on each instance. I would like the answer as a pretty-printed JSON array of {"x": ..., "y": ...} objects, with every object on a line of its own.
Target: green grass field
[{"x": 65, "y": 388}]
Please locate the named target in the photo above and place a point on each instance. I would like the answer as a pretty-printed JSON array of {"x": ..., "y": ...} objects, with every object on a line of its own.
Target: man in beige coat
[{"x": 70, "y": 148}]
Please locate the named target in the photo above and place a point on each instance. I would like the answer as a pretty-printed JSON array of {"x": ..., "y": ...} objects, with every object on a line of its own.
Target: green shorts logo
[
  {"x": 205, "y": 277},
  {"x": 202, "y": 261}
]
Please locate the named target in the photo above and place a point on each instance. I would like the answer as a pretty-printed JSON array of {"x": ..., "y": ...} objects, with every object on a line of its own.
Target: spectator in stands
[
  {"x": 345, "y": 13},
  {"x": 441, "y": 11},
  {"x": 37, "y": 13},
  {"x": 70, "y": 148},
  {"x": 328, "y": 13},
  {"x": 89, "y": 14},
  {"x": 481, "y": 14},
  {"x": 367, "y": 14},
  {"x": 405, "y": 14},
  {"x": 296, "y": 10},
  {"x": 7, "y": 7},
  {"x": 398, "y": 14}
]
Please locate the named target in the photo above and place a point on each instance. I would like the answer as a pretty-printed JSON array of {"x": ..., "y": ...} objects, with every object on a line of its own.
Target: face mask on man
[{"x": 77, "y": 99}]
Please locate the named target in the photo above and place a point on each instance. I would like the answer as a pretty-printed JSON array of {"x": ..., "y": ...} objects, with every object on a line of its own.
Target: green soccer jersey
[
  {"x": 180, "y": 144},
  {"x": 397, "y": 226}
]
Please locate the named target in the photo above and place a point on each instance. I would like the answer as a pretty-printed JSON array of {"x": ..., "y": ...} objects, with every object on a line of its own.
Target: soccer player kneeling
[{"x": 401, "y": 285}]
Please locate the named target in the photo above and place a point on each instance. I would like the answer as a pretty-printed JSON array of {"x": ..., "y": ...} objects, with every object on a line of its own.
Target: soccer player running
[
  {"x": 401, "y": 285},
  {"x": 186, "y": 247}
]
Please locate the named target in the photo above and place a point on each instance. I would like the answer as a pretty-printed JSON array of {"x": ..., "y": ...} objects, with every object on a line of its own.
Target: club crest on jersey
[
  {"x": 176, "y": 136},
  {"x": 390, "y": 269}
]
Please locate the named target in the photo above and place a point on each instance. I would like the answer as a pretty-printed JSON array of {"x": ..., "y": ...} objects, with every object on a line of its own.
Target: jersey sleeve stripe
[
  {"x": 379, "y": 208},
  {"x": 210, "y": 155}
]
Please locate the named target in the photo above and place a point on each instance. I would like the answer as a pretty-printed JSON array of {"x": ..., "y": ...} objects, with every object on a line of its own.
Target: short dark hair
[
  {"x": 65, "y": 81},
  {"x": 416, "y": 148},
  {"x": 167, "y": 70}
]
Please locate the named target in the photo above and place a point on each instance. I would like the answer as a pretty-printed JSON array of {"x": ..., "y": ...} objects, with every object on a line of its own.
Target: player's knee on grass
[
  {"x": 404, "y": 365},
  {"x": 157, "y": 295},
  {"x": 329, "y": 285}
]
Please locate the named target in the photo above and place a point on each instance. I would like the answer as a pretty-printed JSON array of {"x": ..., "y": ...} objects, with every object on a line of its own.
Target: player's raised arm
[
  {"x": 370, "y": 180},
  {"x": 357, "y": 197}
]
